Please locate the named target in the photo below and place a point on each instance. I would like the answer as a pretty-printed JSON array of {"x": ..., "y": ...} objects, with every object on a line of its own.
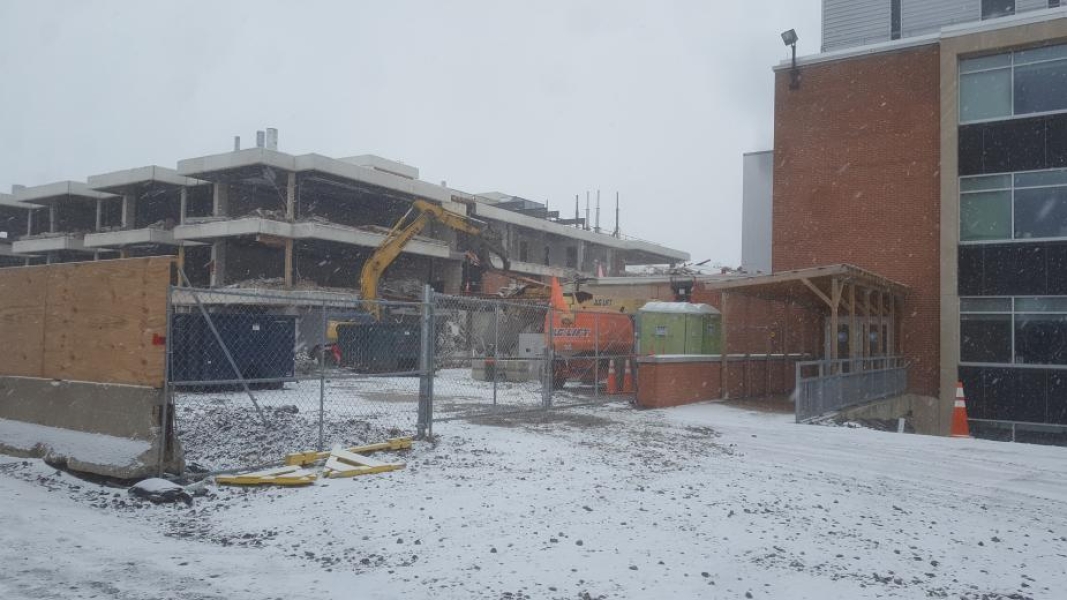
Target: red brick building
[{"x": 857, "y": 181}]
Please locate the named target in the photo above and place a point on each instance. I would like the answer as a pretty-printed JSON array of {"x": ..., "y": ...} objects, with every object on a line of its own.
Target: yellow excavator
[
  {"x": 422, "y": 213},
  {"x": 485, "y": 242}
]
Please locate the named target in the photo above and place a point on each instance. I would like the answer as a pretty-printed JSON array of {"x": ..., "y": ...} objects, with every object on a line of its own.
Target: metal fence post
[
  {"x": 322, "y": 376},
  {"x": 496, "y": 349},
  {"x": 798, "y": 392},
  {"x": 424, "y": 425},
  {"x": 549, "y": 358},
  {"x": 596, "y": 355},
  {"x": 168, "y": 389}
]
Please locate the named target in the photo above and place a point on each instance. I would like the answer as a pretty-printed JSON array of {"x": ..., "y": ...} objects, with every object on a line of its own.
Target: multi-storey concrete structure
[
  {"x": 264, "y": 216},
  {"x": 15, "y": 219},
  {"x": 939, "y": 160}
]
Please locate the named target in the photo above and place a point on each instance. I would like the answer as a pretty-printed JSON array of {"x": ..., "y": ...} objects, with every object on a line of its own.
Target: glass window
[
  {"x": 1041, "y": 178},
  {"x": 992, "y": 9},
  {"x": 985, "y": 95},
  {"x": 894, "y": 19},
  {"x": 985, "y": 63},
  {"x": 988, "y": 182},
  {"x": 1041, "y": 213},
  {"x": 1041, "y": 339},
  {"x": 1039, "y": 54},
  {"x": 1041, "y": 304},
  {"x": 985, "y": 305},
  {"x": 985, "y": 338},
  {"x": 1040, "y": 87},
  {"x": 985, "y": 216}
]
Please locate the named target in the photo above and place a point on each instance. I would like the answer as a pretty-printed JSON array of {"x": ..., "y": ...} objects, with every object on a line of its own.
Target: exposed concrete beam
[
  {"x": 249, "y": 226},
  {"x": 60, "y": 190},
  {"x": 119, "y": 182},
  {"x": 73, "y": 242},
  {"x": 492, "y": 213},
  {"x": 129, "y": 237}
]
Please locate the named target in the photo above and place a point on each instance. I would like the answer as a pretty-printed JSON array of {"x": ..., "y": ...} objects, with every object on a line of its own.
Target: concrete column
[
  {"x": 290, "y": 198},
  {"x": 99, "y": 214},
  {"x": 184, "y": 205},
  {"x": 218, "y": 263},
  {"x": 221, "y": 199},
  {"x": 288, "y": 263},
  {"x": 181, "y": 255},
  {"x": 51, "y": 219},
  {"x": 129, "y": 208},
  {"x": 29, "y": 222}
]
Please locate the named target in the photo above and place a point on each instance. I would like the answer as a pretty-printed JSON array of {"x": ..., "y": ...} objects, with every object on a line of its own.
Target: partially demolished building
[{"x": 263, "y": 217}]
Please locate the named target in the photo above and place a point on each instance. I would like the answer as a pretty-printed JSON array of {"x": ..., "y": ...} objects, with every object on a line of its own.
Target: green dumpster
[{"x": 679, "y": 328}]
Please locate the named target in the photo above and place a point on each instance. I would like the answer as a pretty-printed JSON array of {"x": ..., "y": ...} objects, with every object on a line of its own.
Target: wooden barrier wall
[{"x": 92, "y": 321}]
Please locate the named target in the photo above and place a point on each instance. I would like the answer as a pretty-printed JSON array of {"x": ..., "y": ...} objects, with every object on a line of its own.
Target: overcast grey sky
[{"x": 545, "y": 100}]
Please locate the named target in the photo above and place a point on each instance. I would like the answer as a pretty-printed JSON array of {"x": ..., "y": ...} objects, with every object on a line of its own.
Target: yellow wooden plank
[{"x": 306, "y": 458}]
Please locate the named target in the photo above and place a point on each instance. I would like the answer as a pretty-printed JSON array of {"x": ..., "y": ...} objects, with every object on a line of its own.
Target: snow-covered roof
[{"x": 685, "y": 308}]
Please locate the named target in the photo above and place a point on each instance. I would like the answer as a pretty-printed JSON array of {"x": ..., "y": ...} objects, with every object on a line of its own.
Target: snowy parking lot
[{"x": 704, "y": 501}]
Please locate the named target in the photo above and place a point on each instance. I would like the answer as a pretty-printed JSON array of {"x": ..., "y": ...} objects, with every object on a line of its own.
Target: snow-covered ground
[{"x": 704, "y": 501}]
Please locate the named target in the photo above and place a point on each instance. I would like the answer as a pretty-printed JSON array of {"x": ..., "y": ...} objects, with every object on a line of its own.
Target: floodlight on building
[{"x": 790, "y": 38}]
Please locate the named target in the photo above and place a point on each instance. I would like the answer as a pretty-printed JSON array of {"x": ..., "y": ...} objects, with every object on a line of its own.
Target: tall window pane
[
  {"x": 1041, "y": 339},
  {"x": 1041, "y": 212},
  {"x": 1040, "y": 87},
  {"x": 985, "y": 338},
  {"x": 985, "y": 95},
  {"x": 985, "y": 216}
]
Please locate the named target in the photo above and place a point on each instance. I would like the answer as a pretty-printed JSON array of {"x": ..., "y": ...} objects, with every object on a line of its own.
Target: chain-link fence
[
  {"x": 253, "y": 375},
  {"x": 494, "y": 356}
]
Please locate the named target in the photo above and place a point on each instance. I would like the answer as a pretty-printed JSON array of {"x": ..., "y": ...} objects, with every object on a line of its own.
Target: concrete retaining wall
[
  {"x": 920, "y": 411},
  {"x": 126, "y": 412}
]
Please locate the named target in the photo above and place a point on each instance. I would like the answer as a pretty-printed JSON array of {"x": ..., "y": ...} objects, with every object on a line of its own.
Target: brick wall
[
  {"x": 760, "y": 326},
  {"x": 857, "y": 180},
  {"x": 674, "y": 384}
]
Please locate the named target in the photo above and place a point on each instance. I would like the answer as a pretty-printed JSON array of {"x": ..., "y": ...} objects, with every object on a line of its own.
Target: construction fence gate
[{"x": 252, "y": 375}]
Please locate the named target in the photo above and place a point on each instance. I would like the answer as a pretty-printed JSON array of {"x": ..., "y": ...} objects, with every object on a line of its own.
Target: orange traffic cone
[
  {"x": 612, "y": 386},
  {"x": 627, "y": 378},
  {"x": 959, "y": 414}
]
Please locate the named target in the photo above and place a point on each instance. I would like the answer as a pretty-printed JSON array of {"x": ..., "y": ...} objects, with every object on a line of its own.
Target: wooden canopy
[{"x": 842, "y": 290}]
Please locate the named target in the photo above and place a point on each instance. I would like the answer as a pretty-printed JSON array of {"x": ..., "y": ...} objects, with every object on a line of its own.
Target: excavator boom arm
[{"x": 403, "y": 232}]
